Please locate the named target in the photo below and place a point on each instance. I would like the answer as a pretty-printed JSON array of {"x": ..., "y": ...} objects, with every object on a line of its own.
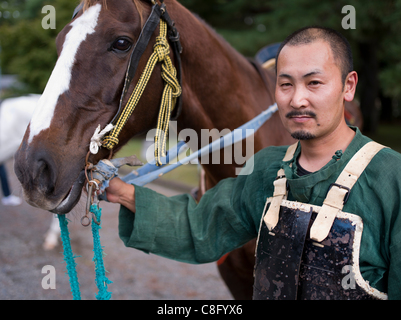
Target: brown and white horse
[{"x": 220, "y": 89}]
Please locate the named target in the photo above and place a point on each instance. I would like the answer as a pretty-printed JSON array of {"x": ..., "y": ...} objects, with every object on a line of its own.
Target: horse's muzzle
[{"x": 47, "y": 184}]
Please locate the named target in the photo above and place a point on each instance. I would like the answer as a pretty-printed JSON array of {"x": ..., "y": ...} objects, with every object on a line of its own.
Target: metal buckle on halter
[
  {"x": 341, "y": 187},
  {"x": 92, "y": 188}
]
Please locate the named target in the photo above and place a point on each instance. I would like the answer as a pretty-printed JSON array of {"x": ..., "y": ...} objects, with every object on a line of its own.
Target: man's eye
[{"x": 314, "y": 83}]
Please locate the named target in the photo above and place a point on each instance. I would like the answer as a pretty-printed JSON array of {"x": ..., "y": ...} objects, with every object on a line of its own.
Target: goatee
[{"x": 302, "y": 135}]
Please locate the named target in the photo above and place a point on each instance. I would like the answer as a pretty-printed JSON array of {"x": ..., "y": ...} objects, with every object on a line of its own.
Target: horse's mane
[{"x": 89, "y": 3}]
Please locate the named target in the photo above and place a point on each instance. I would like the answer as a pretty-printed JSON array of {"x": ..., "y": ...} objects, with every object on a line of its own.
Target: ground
[{"x": 135, "y": 275}]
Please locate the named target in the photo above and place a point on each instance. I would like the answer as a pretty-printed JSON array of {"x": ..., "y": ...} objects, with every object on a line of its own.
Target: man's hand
[{"x": 122, "y": 193}]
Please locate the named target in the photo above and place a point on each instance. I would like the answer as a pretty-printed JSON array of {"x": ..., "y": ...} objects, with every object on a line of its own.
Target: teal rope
[
  {"x": 69, "y": 258},
  {"x": 101, "y": 280}
]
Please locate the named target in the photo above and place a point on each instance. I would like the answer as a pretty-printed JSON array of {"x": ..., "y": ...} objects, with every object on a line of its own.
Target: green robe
[{"x": 229, "y": 215}]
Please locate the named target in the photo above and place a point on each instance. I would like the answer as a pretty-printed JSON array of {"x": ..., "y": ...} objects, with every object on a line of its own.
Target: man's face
[{"x": 309, "y": 90}]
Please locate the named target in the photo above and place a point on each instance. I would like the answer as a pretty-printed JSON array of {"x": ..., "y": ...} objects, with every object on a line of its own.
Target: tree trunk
[
  {"x": 387, "y": 108},
  {"x": 369, "y": 86}
]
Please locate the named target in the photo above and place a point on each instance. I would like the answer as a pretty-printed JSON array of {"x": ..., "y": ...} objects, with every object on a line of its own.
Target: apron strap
[
  {"x": 339, "y": 191},
  {"x": 280, "y": 192}
]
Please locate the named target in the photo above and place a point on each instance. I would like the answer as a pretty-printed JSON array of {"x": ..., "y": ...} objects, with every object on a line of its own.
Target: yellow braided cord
[
  {"x": 171, "y": 91},
  {"x": 111, "y": 140},
  {"x": 162, "y": 125}
]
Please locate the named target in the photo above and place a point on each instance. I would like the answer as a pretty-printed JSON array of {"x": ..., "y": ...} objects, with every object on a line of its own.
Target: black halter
[{"x": 158, "y": 11}]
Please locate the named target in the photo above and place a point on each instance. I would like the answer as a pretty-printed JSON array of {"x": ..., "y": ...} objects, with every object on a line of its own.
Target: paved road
[{"x": 135, "y": 275}]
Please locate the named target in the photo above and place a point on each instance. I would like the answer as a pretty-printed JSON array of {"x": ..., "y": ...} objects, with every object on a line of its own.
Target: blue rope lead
[
  {"x": 69, "y": 258},
  {"x": 101, "y": 280}
]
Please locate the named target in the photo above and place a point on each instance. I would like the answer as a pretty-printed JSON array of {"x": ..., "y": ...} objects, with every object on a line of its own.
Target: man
[{"x": 312, "y": 245}]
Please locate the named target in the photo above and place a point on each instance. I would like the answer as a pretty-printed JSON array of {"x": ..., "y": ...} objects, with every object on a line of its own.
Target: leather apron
[{"x": 312, "y": 252}]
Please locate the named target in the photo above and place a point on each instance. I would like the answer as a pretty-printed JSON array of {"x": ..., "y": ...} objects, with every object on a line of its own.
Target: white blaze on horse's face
[{"x": 59, "y": 81}]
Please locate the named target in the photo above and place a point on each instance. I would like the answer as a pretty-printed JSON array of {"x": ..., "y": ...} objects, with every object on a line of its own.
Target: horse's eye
[{"x": 121, "y": 45}]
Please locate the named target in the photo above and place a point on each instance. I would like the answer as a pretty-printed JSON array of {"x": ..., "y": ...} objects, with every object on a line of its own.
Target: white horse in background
[{"x": 15, "y": 115}]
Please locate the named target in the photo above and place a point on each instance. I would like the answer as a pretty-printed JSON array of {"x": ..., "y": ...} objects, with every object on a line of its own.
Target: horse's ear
[
  {"x": 85, "y": 4},
  {"x": 77, "y": 9},
  {"x": 145, "y": 1}
]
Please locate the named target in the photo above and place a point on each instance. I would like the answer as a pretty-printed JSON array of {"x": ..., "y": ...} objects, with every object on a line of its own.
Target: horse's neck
[{"x": 222, "y": 89}]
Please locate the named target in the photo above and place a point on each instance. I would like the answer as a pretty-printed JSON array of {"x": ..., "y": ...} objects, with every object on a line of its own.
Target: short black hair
[{"x": 338, "y": 43}]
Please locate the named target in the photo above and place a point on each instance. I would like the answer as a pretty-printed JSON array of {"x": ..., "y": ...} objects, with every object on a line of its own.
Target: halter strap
[
  {"x": 140, "y": 47},
  {"x": 171, "y": 97},
  {"x": 171, "y": 92}
]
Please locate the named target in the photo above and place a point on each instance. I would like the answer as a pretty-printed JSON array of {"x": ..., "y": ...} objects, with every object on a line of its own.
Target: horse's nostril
[
  {"x": 41, "y": 166},
  {"x": 42, "y": 171},
  {"x": 44, "y": 175}
]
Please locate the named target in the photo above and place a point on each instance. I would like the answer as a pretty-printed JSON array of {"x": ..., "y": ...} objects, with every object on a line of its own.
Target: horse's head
[{"x": 83, "y": 92}]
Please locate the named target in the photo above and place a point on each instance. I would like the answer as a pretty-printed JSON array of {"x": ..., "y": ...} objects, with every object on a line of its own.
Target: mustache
[{"x": 296, "y": 113}]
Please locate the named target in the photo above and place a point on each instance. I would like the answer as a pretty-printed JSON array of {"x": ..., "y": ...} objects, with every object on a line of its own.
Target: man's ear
[{"x": 350, "y": 86}]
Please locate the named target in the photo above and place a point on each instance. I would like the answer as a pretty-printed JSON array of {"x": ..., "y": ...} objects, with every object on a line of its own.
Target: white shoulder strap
[
  {"x": 280, "y": 191},
  {"x": 339, "y": 191}
]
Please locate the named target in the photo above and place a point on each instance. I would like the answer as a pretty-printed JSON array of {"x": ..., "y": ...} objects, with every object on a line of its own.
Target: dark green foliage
[{"x": 29, "y": 50}]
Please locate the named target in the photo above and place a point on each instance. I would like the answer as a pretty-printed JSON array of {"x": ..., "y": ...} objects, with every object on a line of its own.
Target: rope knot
[
  {"x": 169, "y": 75},
  {"x": 172, "y": 90},
  {"x": 161, "y": 48},
  {"x": 110, "y": 141}
]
